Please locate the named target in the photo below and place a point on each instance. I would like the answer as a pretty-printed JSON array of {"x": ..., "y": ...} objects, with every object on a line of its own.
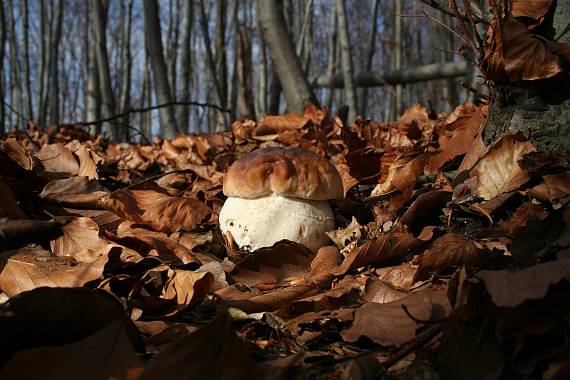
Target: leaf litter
[{"x": 432, "y": 261}]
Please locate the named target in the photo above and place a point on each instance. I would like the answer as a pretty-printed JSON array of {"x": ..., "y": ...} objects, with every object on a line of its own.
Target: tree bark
[
  {"x": 53, "y": 88},
  {"x": 331, "y": 60},
  {"x": 539, "y": 109},
  {"x": 245, "y": 76},
  {"x": 15, "y": 68},
  {"x": 107, "y": 99},
  {"x": 185, "y": 65},
  {"x": 370, "y": 52},
  {"x": 127, "y": 70},
  {"x": 346, "y": 60},
  {"x": 221, "y": 60},
  {"x": 29, "y": 111},
  {"x": 153, "y": 43},
  {"x": 286, "y": 63},
  {"x": 2, "y": 45},
  {"x": 42, "y": 77}
]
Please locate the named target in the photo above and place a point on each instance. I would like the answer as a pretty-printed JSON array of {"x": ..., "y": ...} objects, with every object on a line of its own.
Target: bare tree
[
  {"x": 153, "y": 43},
  {"x": 346, "y": 60},
  {"x": 185, "y": 64},
  {"x": 286, "y": 63},
  {"x": 245, "y": 76},
  {"x": 221, "y": 59},
  {"x": 53, "y": 87},
  {"x": 15, "y": 68},
  {"x": 107, "y": 99},
  {"x": 29, "y": 112},
  {"x": 2, "y": 45},
  {"x": 127, "y": 70},
  {"x": 370, "y": 51},
  {"x": 211, "y": 61}
]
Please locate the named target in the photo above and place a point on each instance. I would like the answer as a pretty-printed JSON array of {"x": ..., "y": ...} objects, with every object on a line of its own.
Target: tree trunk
[
  {"x": 331, "y": 60},
  {"x": 127, "y": 72},
  {"x": 27, "y": 81},
  {"x": 107, "y": 99},
  {"x": 15, "y": 68},
  {"x": 92, "y": 95},
  {"x": 211, "y": 63},
  {"x": 2, "y": 45},
  {"x": 397, "y": 108},
  {"x": 185, "y": 65},
  {"x": 53, "y": 87},
  {"x": 154, "y": 50},
  {"x": 286, "y": 63},
  {"x": 245, "y": 76},
  {"x": 370, "y": 52},
  {"x": 221, "y": 60},
  {"x": 539, "y": 109},
  {"x": 44, "y": 37},
  {"x": 346, "y": 60}
]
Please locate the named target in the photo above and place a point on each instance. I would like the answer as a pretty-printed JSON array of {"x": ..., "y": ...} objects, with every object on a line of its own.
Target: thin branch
[
  {"x": 146, "y": 109},
  {"x": 448, "y": 11}
]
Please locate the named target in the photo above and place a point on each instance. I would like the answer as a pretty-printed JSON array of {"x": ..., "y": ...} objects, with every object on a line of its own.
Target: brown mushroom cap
[{"x": 290, "y": 172}]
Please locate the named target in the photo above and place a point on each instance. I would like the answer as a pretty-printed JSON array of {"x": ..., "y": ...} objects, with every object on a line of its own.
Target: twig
[
  {"x": 146, "y": 109},
  {"x": 417, "y": 320},
  {"x": 422, "y": 339},
  {"x": 444, "y": 9}
]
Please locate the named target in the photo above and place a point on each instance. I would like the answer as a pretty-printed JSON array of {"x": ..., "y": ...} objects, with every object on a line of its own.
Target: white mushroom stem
[{"x": 261, "y": 222}]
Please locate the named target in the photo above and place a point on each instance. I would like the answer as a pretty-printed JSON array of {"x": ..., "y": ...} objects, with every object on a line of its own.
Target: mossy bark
[{"x": 540, "y": 110}]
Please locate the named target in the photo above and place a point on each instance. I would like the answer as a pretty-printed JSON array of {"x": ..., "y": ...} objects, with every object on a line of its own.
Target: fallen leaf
[
  {"x": 17, "y": 233},
  {"x": 9, "y": 206},
  {"x": 212, "y": 352},
  {"x": 80, "y": 240},
  {"x": 17, "y": 152},
  {"x": 462, "y": 139},
  {"x": 160, "y": 211},
  {"x": 26, "y": 269},
  {"x": 56, "y": 158},
  {"x": 326, "y": 259},
  {"x": 107, "y": 350},
  {"x": 447, "y": 251},
  {"x": 498, "y": 172},
  {"x": 397, "y": 327},
  {"x": 379, "y": 250},
  {"x": 510, "y": 289},
  {"x": 274, "y": 265},
  {"x": 187, "y": 287},
  {"x": 555, "y": 188}
]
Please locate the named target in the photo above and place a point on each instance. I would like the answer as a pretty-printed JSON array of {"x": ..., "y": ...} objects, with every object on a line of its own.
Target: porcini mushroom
[{"x": 280, "y": 193}]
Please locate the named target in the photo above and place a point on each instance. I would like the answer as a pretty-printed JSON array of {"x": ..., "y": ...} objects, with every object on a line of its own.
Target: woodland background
[{"x": 69, "y": 61}]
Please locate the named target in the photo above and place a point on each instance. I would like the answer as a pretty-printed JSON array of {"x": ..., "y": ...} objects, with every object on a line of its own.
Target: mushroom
[{"x": 280, "y": 193}]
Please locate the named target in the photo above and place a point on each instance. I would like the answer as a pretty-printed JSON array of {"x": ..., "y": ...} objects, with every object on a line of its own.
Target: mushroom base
[{"x": 261, "y": 222}]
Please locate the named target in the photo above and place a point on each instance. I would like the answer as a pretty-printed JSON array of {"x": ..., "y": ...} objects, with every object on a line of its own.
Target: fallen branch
[{"x": 400, "y": 76}]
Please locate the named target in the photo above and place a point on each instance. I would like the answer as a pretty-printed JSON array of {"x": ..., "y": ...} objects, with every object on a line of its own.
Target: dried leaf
[
  {"x": 26, "y": 269},
  {"x": 17, "y": 152},
  {"x": 187, "y": 287},
  {"x": 498, "y": 171},
  {"x": 446, "y": 251},
  {"x": 326, "y": 259},
  {"x": 56, "y": 158},
  {"x": 275, "y": 265},
  {"x": 533, "y": 9},
  {"x": 462, "y": 139},
  {"x": 397, "y": 327},
  {"x": 379, "y": 250},
  {"x": 17, "y": 233},
  {"x": 212, "y": 352},
  {"x": 108, "y": 350},
  {"x": 555, "y": 188},
  {"x": 160, "y": 211},
  {"x": 80, "y": 240},
  {"x": 510, "y": 289}
]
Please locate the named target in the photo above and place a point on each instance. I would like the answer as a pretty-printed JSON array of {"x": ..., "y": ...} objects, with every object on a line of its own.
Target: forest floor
[{"x": 450, "y": 259}]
